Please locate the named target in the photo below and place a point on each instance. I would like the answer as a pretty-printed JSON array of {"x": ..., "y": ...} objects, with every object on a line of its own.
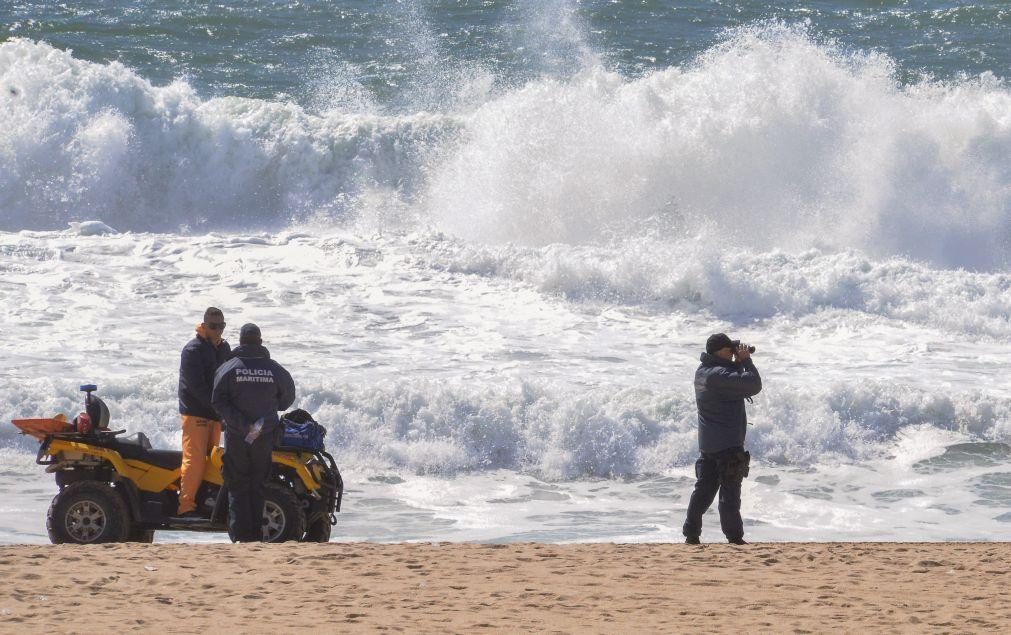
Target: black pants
[
  {"x": 711, "y": 472},
  {"x": 245, "y": 471}
]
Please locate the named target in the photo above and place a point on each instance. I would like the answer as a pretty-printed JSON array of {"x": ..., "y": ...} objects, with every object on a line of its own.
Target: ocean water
[{"x": 489, "y": 240}]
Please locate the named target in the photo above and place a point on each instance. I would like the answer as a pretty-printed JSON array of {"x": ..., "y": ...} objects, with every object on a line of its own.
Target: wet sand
[{"x": 467, "y": 588}]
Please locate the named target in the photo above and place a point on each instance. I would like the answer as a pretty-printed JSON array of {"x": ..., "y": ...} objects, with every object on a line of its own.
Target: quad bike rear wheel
[
  {"x": 88, "y": 512},
  {"x": 145, "y": 536}
]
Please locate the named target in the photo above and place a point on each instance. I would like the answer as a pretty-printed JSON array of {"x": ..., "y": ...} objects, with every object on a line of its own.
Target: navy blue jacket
[
  {"x": 720, "y": 390},
  {"x": 199, "y": 361},
  {"x": 251, "y": 386}
]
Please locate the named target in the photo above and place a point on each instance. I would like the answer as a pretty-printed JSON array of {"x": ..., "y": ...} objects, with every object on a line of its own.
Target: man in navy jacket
[
  {"x": 200, "y": 359},
  {"x": 249, "y": 390},
  {"x": 724, "y": 379}
]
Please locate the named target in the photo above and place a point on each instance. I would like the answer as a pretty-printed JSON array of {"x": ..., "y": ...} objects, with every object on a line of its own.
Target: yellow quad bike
[{"x": 120, "y": 489}]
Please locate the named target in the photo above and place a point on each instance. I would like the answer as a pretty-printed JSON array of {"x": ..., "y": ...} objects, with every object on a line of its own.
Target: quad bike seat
[
  {"x": 137, "y": 447},
  {"x": 137, "y": 438}
]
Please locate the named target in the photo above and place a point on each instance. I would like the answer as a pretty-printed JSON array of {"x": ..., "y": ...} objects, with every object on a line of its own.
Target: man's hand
[
  {"x": 742, "y": 354},
  {"x": 254, "y": 431}
]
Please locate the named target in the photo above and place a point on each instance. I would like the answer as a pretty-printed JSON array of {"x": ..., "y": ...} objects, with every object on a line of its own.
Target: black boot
[
  {"x": 692, "y": 540},
  {"x": 737, "y": 541}
]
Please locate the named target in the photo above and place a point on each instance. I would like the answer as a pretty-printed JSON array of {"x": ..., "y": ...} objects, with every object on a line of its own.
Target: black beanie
[
  {"x": 250, "y": 334},
  {"x": 718, "y": 341}
]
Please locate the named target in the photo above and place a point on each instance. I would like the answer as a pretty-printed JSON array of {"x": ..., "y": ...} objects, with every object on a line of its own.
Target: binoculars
[{"x": 737, "y": 343}]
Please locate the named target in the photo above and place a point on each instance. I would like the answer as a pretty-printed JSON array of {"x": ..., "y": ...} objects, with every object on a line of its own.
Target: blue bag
[{"x": 300, "y": 432}]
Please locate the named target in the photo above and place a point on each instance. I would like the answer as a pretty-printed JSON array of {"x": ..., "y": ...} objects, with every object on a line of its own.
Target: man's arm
[
  {"x": 222, "y": 401},
  {"x": 736, "y": 384},
  {"x": 194, "y": 376},
  {"x": 285, "y": 389}
]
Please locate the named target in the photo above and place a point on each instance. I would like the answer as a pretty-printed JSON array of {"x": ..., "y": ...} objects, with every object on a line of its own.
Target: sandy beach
[{"x": 464, "y": 588}]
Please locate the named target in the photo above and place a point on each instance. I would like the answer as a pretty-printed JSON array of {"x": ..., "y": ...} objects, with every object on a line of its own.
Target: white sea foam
[
  {"x": 449, "y": 428},
  {"x": 831, "y": 287},
  {"x": 414, "y": 363}
]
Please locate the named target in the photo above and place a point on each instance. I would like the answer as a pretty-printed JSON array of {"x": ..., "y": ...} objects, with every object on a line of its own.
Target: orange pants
[{"x": 199, "y": 436}]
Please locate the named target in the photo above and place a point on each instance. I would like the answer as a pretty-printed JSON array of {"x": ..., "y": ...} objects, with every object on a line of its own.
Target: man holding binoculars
[{"x": 724, "y": 379}]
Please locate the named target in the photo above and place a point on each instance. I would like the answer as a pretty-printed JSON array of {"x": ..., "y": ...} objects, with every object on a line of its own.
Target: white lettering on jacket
[
  {"x": 254, "y": 375},
  {"x": 255, "y": 380}
]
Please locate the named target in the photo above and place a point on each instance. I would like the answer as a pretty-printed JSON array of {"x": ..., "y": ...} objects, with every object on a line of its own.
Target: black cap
[
  {"x": 250, "y": 334},
  {"x": 211, "y": 313},
  {"x": 716, "y": 342}
]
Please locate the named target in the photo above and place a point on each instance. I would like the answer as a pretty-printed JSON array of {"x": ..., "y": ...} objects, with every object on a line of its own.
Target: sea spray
[
  {"x": 86, "y": 140},
  {"x": 773, "y": 139}
]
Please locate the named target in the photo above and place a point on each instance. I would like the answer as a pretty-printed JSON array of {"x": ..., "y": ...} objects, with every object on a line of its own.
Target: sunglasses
[{"x": 220, "y": 326}]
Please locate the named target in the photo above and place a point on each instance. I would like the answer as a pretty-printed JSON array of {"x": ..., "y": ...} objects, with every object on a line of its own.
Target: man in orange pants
[{"x": 201, "y": 358}]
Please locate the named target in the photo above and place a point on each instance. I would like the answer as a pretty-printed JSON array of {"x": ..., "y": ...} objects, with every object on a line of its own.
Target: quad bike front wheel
[
  {"x": 88, "y": 512},
  {"x": 283, "y": 518},
  {"x": 319, "y": 530}
]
